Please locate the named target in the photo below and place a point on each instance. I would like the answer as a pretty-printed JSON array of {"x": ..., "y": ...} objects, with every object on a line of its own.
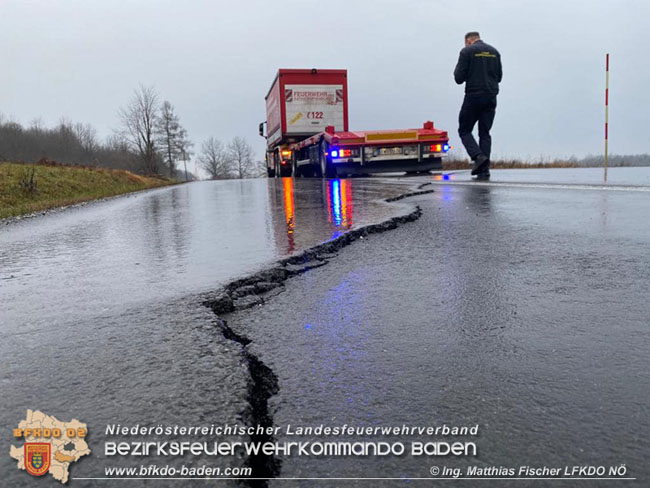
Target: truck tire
[
  {"x": 294, "y": 166},
  {"x": 285, "y": 171},
  {"x": 270, "y": 172},
  {"x": 326, "y": 168}
]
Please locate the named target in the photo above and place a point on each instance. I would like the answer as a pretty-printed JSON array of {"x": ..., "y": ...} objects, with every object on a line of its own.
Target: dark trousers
[{"x": 481, "y": 109}]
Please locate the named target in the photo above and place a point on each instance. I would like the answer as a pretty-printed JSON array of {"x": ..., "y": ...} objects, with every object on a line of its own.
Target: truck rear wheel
[
  {"x": 270, "y": 172},
  {"x": 327, "y": 169}
]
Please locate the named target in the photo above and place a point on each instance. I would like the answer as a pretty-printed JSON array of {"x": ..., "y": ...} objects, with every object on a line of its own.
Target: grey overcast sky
[{"x": 215, "y": 60}]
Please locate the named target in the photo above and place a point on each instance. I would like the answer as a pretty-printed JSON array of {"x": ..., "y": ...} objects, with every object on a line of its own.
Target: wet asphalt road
[
  {"x": 167, "y": 243},
  {"x": 522, "y": 310},
  {"x": 101, "y": 313}
]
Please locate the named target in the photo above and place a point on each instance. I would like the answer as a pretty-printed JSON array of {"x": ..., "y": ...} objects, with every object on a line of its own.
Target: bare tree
[
  {"x": 172, "y": 138},
  {"x": 259, "y": 169},
  {"x": 214, "y": 159},
  {"x": 36, "y": 123},
  {"x": 87, "y": 137},
  {"x": 65, "y": 138},
  {"x": 115, "y": 142},
  {"x": 185, "y": 147},
  {"x": 138, "y": 120},
  {"x": 240, "y": 156}
]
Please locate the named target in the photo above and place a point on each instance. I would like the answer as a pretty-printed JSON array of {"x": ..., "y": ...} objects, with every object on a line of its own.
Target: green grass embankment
[{"x": 27, "y": 188}]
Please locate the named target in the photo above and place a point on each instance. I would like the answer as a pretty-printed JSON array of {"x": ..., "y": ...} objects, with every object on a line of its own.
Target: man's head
[{"x": 471, "y": 38}]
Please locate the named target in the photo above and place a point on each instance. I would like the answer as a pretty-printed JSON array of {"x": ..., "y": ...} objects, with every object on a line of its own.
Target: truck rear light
[
  {"x": 286, "y": 153},
  {"x": 436, "y": 148},
  {"x": 344, "y": 153}
]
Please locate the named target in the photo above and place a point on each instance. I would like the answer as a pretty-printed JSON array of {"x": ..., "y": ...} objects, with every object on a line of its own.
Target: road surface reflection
[{"x": 336, "y": 200}]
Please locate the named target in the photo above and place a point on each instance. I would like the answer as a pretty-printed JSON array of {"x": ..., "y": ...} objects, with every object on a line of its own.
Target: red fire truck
[{"x": 307, "y": 132}]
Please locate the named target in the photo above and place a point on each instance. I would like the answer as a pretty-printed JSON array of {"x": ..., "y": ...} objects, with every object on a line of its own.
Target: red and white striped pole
[{"x": 606, "y": 109}]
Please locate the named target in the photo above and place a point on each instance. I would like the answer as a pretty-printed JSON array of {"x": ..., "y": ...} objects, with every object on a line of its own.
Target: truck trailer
[{"x": 307, "y": 132}]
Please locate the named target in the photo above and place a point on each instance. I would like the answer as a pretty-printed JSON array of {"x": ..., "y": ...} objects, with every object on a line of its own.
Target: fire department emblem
[
  {"x": 37, "y": 458},
  {"x": 48, "y": 445}
]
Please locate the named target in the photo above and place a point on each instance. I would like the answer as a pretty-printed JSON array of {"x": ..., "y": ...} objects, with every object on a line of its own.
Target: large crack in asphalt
[{"x": 252, "y": 291}]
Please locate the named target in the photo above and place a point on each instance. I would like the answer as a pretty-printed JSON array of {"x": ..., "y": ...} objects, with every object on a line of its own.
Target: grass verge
[{"x": 27, "y": 188}]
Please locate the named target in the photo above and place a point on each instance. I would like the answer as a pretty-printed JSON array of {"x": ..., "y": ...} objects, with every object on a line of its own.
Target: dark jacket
[{"x": 479, "y": 67}]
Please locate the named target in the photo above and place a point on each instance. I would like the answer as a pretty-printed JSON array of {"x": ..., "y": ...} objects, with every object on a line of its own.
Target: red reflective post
[{"x": 606, "y": 110}]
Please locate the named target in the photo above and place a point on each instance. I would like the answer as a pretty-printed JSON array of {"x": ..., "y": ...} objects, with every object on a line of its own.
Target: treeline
[
  {"x": 149, "y": 140},
  {"x": 615, "y": 160},
  {"x": 589, "y": 161},
  {"x": 233, "y": 160},
  {"x": 66, "y": 142}
]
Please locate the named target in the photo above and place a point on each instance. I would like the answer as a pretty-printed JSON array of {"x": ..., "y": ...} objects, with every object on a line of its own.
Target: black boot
[
  {"x": 484, "y": 173},
  {"x": 480, "y": 161}
]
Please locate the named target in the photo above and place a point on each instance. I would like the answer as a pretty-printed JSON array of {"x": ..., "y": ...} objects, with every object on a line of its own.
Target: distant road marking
[{"x": 554, "y": 186}]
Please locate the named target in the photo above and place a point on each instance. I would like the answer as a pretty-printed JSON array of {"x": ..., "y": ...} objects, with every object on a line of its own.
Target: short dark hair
[{"x": 472, "y": 35}]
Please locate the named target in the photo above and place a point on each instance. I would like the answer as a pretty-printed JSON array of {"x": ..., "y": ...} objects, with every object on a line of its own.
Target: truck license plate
[{"x": 390, "y": 150}]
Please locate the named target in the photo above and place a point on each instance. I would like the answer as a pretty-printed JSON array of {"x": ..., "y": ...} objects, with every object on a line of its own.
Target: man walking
[{"x": 479, "y": 67}]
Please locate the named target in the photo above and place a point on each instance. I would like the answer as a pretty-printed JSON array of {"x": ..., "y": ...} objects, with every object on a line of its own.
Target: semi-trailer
[{"x": 307, "y": 132}]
